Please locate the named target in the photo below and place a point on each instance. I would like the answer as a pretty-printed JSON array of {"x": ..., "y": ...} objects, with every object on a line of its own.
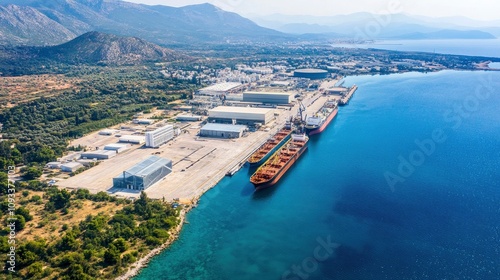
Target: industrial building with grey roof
[
  {"x": 144, "y": 174},
  {"x": 223, "y": 130}
]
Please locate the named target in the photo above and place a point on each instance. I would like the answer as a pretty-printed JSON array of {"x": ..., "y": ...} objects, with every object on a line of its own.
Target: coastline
[
  {"x": 313, "y": 104},
  {"x": 141, "y": 263}
]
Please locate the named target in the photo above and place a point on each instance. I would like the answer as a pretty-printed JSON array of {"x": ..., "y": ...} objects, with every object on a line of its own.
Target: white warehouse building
[
  {"x": 188, "y": 118},
  {"x": 99, "y": 154},
  {"x": 269, "y": 97},
  {"x": 242, "y": 115},
  {"x": 132, "y": 139},
  {"x": 221, "y": 89},
  {"x": 160, "y": 136}
]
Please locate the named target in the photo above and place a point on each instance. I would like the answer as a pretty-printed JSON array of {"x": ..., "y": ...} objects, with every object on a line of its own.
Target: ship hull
[
  {"x": 323, "y": 126},
  {"x": 282, "y": 171},
  {"x": 271, "y": 152}
]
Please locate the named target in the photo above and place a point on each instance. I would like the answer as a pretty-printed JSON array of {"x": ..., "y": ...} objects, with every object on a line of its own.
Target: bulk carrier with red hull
[
  {"x": 279, "y": 163},
  {"x": 270, "y": 147},
  {"x": 318, "y": 123}
]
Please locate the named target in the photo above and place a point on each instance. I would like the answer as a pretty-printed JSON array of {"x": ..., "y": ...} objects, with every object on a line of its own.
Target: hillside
[
  {"x": 24, "y": 25},
  {"x": 166, "y": 25},
  {"x": 95, "y": 47}
]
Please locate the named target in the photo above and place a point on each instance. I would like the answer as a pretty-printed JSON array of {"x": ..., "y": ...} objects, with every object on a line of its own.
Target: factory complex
[{"x": 180, "y": 152}]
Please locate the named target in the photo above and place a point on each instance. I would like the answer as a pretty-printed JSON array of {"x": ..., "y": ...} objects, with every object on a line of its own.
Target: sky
[{"x": 477, "y": 9}]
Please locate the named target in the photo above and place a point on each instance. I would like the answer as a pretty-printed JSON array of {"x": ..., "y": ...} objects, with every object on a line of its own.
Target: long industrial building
[
  {"x": 221, "y": 89},
  {"x": 144, "y": 174},
  {"x": 242, "y": 115},
  {"x": 269, "y": 97},
  {"x": 160, "y": 136},
  {"x": 188, "y": 118},
  {"x": 132, "y": 139},
  {"x": 222, "y": 130},
  {"x": 99, "y": 154}
]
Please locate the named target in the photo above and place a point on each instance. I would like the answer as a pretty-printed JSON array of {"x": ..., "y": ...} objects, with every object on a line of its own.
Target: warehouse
[
  {"x": 71, "y": 166},
  {"x": 144, "y": 174},
  {"x": 143, "y": 121},
  {"x": 242, "y": 115},
  {"x": 99, "y": 154},
  {"x": 118, "y": 148},
  {"x": 132, "y": 139},
  {"x": 313, "y": 74},
  {"x": 223, "y": 130},
  {"x": 53, "y": 165},
  {"x": 107, "y": 132},
  {"x": 187, "y": 118},
  {"x": 221, "y": 89},
  {"x": 159, "y": 136},
  {"x": 269, "y": 97}
]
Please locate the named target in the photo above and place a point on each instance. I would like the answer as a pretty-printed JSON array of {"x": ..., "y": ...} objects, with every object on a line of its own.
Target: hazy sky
[{"x": 476, "y": 9}]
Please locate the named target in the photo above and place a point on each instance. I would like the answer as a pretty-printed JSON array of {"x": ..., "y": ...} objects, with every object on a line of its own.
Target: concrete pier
[{"x": 345, "y": 99}]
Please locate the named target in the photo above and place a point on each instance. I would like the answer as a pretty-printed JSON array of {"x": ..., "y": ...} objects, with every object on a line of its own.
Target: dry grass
[
  {"x": 49, "y": 227},
  {"x": 15, "y": 90}
]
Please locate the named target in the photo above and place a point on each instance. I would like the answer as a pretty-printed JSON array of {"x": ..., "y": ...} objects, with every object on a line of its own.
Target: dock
[{"x": 345, "y": 99}]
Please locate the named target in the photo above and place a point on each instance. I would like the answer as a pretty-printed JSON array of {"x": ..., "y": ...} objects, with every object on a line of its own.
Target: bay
[{"x": 440, "y": 221}]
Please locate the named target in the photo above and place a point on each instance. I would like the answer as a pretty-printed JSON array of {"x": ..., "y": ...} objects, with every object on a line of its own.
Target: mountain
[
  {"x": 390, "y": 26},
  {"x": 24, "y": 25},
  {"x": 166, "y": 25},
  {"x": 95, "y": 47},
  {"x": 90, "y": 48}
]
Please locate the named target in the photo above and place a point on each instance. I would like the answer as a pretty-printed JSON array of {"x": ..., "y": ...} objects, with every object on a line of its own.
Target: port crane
[{"x": 299, "y": 118}]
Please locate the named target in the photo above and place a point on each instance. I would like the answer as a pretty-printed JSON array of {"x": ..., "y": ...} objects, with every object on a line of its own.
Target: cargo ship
[
  {"x": 272, "y": 145},
  {"x": 278, "y": 164},
  {"x": 317, "y": 123}
]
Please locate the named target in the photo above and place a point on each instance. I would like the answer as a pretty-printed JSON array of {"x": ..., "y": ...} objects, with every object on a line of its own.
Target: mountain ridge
[
  {"x": 203, "y": 23},
  {"x": 393, "y": 26},
  {"x": 94, "y": 48}
]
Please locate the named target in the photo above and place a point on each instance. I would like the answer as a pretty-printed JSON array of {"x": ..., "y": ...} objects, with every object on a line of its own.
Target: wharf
[{"x": 345, "y": 99}]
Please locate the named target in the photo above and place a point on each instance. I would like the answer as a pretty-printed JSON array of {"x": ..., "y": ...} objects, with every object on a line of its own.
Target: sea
[
  {"x": 403, "y": 184},
  {"x": 474, "y": 47}
]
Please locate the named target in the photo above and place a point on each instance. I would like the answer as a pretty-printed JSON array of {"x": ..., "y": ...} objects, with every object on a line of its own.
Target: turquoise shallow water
[{"x": 441, "y": 222}]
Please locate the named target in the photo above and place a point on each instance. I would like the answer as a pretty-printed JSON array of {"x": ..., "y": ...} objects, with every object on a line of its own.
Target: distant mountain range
[
  {"x": 53, "y": 22},
  {"x": 394, "y": 26},
  {"x": 50, "y": 22},
  {"x": 94, "y": 48}
]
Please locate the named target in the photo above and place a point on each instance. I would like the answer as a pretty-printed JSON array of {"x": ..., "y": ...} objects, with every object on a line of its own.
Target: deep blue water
[
  {"x": 479, "y": 47},
  {"x": 442, "y": 222}
]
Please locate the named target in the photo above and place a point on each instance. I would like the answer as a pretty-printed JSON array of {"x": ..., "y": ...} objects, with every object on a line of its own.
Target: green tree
[
  {"x": 61, "y": 199},
  {"x": 111, "y": 256},
  {"x": 75, "y": 272},
  {"x": 31, "y": 173},
  {"x": 120, "y": 244},
  {"x": 25, "y": 213},
  {"x": 20, "y": 222},
  {"x": 35, "y": 270}
]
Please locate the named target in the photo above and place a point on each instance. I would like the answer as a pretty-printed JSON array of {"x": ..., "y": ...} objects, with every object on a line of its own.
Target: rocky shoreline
[{"x": 137, "y": 266}]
